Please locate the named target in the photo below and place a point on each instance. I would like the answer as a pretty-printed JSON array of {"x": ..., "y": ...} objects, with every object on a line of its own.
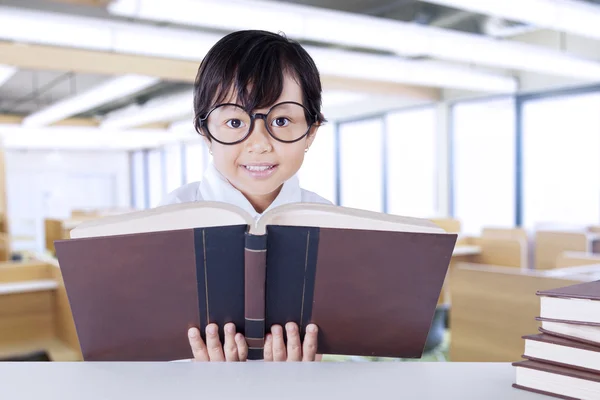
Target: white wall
[{"x": 45, "y": 183}]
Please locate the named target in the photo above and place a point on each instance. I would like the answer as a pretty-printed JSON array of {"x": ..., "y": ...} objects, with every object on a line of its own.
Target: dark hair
[{"x": 252, "y": 64}]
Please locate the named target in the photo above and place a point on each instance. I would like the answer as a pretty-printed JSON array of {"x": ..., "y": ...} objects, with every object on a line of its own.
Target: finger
[
  {"x": 230, "y": 346},
  {"x": 279, "y": 353},
  {"x": 197, "y": 344},
  {"x": 242, "y": 347},
  {"x": 268, "y": 350},
  {"x": 309, "y": 347},
  {"x": 213, "y": 343},
  {"x": 294, "y": 348}
]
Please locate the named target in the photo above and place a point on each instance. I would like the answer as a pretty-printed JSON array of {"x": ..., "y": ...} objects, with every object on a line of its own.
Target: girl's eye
[
  {"x": 235, "y": 123},
  {"x": 281, "y": 122}
]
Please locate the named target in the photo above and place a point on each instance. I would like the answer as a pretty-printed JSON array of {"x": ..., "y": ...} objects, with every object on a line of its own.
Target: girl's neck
[{"x": 261, "y": 202}]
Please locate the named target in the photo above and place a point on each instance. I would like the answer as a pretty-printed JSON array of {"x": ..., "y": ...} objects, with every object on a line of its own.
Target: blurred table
[{"x": 258, "y": 380}]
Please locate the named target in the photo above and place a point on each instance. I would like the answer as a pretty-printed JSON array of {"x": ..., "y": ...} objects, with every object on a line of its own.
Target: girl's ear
[
  {"x": 208, "y": 143},
  {"x": 311, "y": 136}
]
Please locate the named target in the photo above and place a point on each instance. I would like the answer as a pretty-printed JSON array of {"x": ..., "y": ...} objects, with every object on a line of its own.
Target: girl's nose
[{"x": 259, "y": 140}]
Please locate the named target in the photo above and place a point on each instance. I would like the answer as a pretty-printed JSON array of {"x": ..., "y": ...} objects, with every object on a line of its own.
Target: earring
[{"x": 306, "y": 150}]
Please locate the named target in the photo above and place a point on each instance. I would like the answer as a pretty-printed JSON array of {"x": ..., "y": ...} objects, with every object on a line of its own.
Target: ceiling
[{"x": 31, "y": 90}]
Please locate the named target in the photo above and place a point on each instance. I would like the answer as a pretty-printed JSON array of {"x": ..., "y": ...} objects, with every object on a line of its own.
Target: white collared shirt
[{"x": 215, "y": 187}]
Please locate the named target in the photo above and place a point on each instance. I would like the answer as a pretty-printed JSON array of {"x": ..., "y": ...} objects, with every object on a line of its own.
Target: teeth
[{"x": 257, "y": 168}]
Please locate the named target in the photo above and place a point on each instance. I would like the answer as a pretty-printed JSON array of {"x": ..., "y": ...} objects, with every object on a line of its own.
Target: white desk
[
  {"x": 257, "y": 380},
  {"x": 28, "y": 286},
  {"x": 466, "y": 250}
]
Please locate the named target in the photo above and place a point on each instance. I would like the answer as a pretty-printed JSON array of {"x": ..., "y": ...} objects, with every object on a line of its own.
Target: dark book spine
[
  {"x": 255, "y": 263},
  {"x": 220, "y": 270},
  {"x": 292, "y": 259}
]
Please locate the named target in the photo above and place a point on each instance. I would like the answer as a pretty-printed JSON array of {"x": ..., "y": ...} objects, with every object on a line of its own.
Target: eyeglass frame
[{"x": 253, "y": 117}]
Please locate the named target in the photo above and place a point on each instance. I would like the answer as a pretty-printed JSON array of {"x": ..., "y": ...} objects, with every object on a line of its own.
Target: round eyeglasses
[{"x": 286, "y": 122}]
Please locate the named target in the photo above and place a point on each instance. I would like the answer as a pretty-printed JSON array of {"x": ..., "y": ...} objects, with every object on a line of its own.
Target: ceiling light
[
  {"x": 73, "y": 138},
  {"x": 6, "y": 72},
  {"x": 577, "y": 17},
  {"x": 111, "y": 90},
  {"x": 161, "y": 109}
]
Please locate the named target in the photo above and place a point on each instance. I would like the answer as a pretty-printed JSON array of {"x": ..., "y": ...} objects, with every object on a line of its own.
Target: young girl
[{"x": 257, "y": 104}]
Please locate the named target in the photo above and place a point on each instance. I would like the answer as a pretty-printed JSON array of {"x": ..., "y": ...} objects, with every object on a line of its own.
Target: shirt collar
[{"x": 215, "y": 187}]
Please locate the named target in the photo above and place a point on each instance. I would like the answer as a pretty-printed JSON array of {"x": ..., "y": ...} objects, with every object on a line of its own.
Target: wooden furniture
[
  {"x": 519, "y": 233},
  {"x": 59, "y": 229},
  {"x": 35, "y": 313},
  {"x": 503, "y": 251},
  {"x": 461, "y": 253},
  {"x": 448, "y": 224},
  {"x": 494, "y": 306},
  {"x": 265, "y": 381},
  {"x": 574, "y": 258},
  {"x": 98, "y": 213},
  {"x": 500, "y": 246},
  {"x": 549, "y": 244}
]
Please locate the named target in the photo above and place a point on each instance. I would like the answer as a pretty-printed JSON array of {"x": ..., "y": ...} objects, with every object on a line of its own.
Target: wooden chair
[
  {"x": 59, "y": 229},
  {"x": 550, "y": 244},
  {"x": 508, "y": 233},
  {"x": 448, "y": 224},
  {"x": 574, "y": 258}
]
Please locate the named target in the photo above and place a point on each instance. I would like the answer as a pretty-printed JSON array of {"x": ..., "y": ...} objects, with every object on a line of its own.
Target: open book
[{"x": 370, "y": 281}]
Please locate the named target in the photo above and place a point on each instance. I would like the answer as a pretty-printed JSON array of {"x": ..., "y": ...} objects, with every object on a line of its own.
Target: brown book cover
[
  {"x": 567, "y": 321},
  {"x": 553, "y": 369},
  {"x": 370, "y": 281},
  {"x": 586, "y": 290},
  {"x": 578, "y": 363},
  {"x": 546, "y": 338},
  {"x": 569, "y": 337}
]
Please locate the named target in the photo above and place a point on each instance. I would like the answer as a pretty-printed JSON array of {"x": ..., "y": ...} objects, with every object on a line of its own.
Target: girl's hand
[
  {"x": 276, "y": 350},
  {"x": 234, "y": 349}
]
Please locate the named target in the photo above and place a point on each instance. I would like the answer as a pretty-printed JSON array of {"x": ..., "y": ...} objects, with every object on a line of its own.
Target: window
[
  {"x": 196, "y": 159},
  {"x": 411, "y": 160},
  {"x": 156, "y": 179},
  {"x": 173, "y": 167},
  {"x": 483, "y": 164},
  {"x": 361, "y": 164},
  {"x": 561, "y": 161},
  {"x": 138, "y": 179},
  {"x": 318, "y": 170}
]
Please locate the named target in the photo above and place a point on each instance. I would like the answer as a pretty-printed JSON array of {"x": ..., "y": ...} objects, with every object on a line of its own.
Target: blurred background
[{"x": 481, "y": 115}]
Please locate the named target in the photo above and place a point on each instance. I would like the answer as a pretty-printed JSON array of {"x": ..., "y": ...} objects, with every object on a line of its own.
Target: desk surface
[
  {"x": 466, "y": 250},
  {"x": 258, "y": 380},
  {"x": 28, "y": 286}
]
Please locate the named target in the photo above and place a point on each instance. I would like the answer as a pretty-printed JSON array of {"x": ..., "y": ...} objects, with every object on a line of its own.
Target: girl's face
[{"x": 260, "y": 165}]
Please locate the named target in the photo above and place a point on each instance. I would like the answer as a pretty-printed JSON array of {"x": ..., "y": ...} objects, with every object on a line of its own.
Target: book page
[
  {"x": 329, "y": 216},
  {"x": 170, "y": 217}
]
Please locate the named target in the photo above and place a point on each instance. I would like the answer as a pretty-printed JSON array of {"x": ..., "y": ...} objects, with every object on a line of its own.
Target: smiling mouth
[{"x": 259, "y": 168}]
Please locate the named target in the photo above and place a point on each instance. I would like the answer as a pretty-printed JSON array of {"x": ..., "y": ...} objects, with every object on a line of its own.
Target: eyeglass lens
[{"x": 230, "y": 123}]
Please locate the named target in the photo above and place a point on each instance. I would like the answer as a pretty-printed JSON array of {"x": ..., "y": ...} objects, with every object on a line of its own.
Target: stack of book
[{"x": 563, "y": 360}]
